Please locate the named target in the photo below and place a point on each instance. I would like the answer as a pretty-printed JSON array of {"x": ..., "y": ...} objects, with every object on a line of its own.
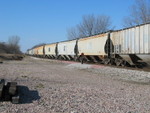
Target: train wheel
[
  {"x": 118, "y": 62},
  {"x": 112, "y": 61},
  {"x": 76, "y": 58},
  {"x": 141, "y": 65},
  {"x": 124, "y": 63},
  {"x": 107, "y": 61}
]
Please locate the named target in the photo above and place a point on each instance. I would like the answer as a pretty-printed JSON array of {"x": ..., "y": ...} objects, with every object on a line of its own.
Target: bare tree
[
  {"x": 14, "y": 40},
  {"x": 12, "y": 46},
  {"x": 139, "y": 13},
  {"x": 102, "y": 24},
  {"x": 86, "y": 27},
  {"x": 13, "y": 43},
  {"x": 90, "y": 25},
  {"x": 72, "y": 33},
  {"x": 3, "y": 47}
]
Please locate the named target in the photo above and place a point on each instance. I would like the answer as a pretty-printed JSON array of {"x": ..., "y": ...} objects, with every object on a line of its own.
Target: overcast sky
[{"x": 46, "y": 21}]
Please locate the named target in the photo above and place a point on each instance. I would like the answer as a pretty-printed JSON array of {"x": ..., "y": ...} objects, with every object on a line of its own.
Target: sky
[{"x": 47, "y": 21}]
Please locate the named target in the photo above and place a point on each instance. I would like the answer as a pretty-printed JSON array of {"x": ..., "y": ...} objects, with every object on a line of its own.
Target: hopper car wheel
[
  {"x": 119, "y": 62},
  {"x": 76, "y": 58},
  {"x": 139, "y": 66},
  {"x": 124, "y": 63},
  {"x": 112, "y": 61},
  {"x": 107, "y": 61},
  {"x": 142, "y": 64}
]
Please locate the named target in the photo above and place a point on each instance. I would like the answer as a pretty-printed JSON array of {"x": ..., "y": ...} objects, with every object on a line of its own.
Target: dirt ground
[{"x": 50, "y": 86}]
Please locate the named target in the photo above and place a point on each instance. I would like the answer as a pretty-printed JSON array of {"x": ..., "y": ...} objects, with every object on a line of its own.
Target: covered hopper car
[{"x": 126, "y": 47}]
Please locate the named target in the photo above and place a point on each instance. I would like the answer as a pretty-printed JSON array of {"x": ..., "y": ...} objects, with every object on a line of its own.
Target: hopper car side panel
[
  {"x": 40, "y": 50},
  {"x": 132, "y": 41},
  {"x": 30, "y": 52},
  {"x": 133, "y": 44},
  {"x": 93, "y": 48},
  {"x": 66, "y": 50},
  {"x": 93, "y": 45},
  {"x": 50, "y": 50},
  {"x": 35, "y": 50}
]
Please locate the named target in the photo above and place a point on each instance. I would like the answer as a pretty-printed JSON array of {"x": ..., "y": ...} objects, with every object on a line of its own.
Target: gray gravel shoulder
[
  {"x": 128, "y": 75},
  {"x": 52, "y": 86}
]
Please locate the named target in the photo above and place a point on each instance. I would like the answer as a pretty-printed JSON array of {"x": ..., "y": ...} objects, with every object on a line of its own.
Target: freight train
[{"x": 125, "y": 47}]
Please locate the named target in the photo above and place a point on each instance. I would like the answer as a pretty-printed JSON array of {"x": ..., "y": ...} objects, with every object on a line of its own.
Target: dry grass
[{"x": 11, "y": 57}]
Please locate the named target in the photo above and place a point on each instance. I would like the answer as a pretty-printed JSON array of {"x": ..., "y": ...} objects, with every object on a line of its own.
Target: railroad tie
[
  {"x": 2, "y": 83},
  {"x": 12, "y": 87},
  {"x": 9, "y": 92}
]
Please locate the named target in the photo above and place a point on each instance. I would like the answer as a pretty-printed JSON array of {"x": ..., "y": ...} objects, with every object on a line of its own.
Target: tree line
[{"x": 12, "y": 46}]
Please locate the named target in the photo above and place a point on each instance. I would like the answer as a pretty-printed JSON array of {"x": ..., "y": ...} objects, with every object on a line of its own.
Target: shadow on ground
[{"x": 27, "y": 96}]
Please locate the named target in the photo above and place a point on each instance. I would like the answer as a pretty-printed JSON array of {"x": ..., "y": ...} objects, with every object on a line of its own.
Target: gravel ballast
[{"x": 50, "y": 86}]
